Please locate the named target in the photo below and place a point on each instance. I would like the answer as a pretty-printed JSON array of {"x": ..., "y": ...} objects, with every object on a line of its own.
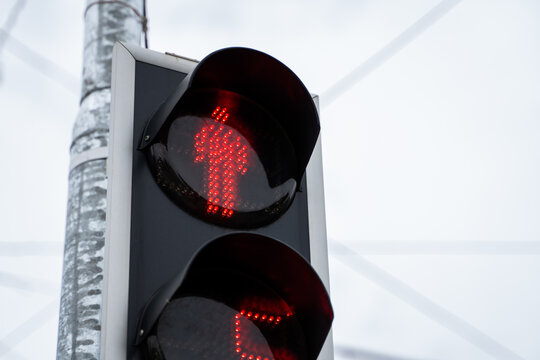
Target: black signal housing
[
  {"x": 216, "y": 228},
  {"x": 271, "y": 262},
  {"x": 260, "y": 78}
]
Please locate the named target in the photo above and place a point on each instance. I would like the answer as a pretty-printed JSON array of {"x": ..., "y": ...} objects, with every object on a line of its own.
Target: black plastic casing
[{"x": 166, "y": 240}]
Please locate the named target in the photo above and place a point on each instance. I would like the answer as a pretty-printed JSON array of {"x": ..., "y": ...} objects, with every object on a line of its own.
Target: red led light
[
  {"x": 261, "y": 318},
  {"x": 216, "y": 149}
]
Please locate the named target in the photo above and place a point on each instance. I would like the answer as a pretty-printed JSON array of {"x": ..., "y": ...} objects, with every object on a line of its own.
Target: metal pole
[{"x": 80, "y": 309}]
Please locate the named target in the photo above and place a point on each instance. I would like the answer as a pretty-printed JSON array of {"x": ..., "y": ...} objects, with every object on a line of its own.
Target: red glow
[
  {"x": 241, "y": 338},
  {"x": 225, "y": 159}
]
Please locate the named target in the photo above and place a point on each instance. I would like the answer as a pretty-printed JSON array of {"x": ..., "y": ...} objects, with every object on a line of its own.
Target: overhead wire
[
  {"x": 10, "y": 23},
  {"x": 379, "y": 276},
  {"x": 355, "y": 353},
  {"x": 43, "y": 65},
  {"x": 28, "y": 327},
  {"x": 31, "y": 248},
  {"x": 421, "y": 303},
  {"x": 32, "y": 58},
  {"x": 432, "y": 247},
  {"x": 11, "y": 20},
  {"x": 386, "y": 280},
  {"x": 25, "y": 283},
  {"x": 386, "y": 52}
]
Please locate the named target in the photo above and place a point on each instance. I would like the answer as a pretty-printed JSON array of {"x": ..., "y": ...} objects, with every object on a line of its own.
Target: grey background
[{"x": 430, "y": 153}]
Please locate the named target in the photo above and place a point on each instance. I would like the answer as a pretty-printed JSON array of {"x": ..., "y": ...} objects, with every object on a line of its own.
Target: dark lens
[
  {"x": 232, "y": 317},
  {"x": 225, "y": 159}
]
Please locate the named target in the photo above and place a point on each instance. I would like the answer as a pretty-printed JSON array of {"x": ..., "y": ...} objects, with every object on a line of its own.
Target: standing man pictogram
[{"x": 223, "y": 151}]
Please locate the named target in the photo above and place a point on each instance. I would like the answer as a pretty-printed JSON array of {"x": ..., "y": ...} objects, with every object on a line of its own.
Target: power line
[
  {"x": 9, "y": 24},
  {"x": 388, "y": 51},
  {"x": 30, "y": 248},
  {"x": 355, "y": 353},
  {"x": 11, "y": 21},
  {"x": 29, "y": 284},
  {"x": 31, "y": 57},
  {"x": 427, "y": 247},
  {"x": 40, "y": 63},
  {"x": 27, "y": 328},
  {"x": 13, "y": 355},
  {"x": 421, "y": 303}
]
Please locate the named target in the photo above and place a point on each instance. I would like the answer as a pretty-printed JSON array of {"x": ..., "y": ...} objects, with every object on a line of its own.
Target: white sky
[{"x": 432, "y": 163}]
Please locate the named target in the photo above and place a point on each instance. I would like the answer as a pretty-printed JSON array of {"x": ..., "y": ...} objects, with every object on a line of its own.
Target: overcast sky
[{"x": 430, "y": 149}]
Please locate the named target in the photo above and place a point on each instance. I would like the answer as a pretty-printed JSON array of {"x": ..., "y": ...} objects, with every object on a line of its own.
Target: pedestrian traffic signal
[
  {"x": 211, "y": 234},
  {"x": 244, "y": 296},
  {"x": 224, "y": 160}
]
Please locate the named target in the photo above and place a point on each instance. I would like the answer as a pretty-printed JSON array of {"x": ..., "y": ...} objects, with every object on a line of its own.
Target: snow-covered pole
[{"x": 80, "y": 309}]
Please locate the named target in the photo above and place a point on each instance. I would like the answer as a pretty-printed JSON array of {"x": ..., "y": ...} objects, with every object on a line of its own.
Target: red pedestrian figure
[{"x": 223, "y": 151}]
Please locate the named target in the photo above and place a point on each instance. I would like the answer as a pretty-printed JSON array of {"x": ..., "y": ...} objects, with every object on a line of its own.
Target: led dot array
[
  {"x": 261, "y": 318},
  {"x": 224, "y": 154}
]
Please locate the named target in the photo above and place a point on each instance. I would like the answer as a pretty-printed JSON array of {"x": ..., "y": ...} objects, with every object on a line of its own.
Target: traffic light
[{"x": 215, "y": 244}]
